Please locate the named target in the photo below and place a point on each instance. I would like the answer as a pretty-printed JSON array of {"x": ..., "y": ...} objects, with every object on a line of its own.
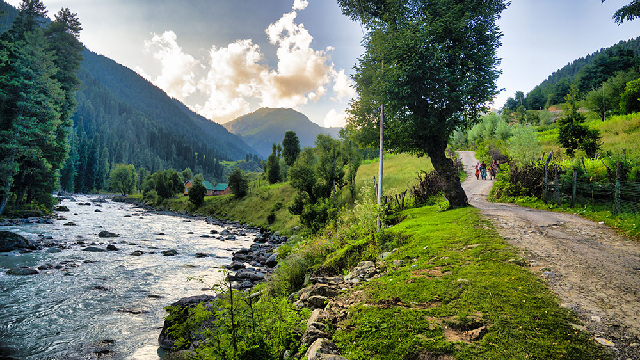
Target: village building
[
  {"x": 222, "y": 189},
  {"x": 207, "y": 185},
  {"x": 219, "y": 189}
]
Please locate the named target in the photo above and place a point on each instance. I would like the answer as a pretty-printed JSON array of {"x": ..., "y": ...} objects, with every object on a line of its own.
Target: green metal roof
[
  {"x": 208, "y": 185},
  {"x": 221, "y": 187}
]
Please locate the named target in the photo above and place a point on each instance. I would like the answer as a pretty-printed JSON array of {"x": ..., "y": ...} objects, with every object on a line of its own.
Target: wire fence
[{"x": 616, "y": 196}]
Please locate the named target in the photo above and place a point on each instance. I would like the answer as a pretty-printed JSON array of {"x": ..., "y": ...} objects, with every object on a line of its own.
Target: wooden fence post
[
  {"x": 616, "y": 194},
  {"x": 557, "y": 186},
  {"x": 546, "y": 177},
  {"x": 573, "y": 193}
]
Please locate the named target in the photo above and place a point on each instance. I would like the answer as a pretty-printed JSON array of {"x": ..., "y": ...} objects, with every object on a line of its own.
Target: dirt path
[{"x": 594, "y": 271}]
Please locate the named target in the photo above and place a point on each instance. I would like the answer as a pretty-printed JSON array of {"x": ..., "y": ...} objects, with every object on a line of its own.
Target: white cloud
[
  {"x": 301, "y": 69},
  {"x": 343, "y": 86},
  {"x": 177, "y": 77},
  {"x": 335, "y": 119},
  {"x": 237, "y": 75},
  {"x": 234, "y": 75},
  {"x": 300, "y": 4}
]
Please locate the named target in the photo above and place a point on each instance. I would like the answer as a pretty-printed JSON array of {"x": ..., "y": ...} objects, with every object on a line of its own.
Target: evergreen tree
[
  {"x": 238, "y": 183},
  {"x": 291, "y": 147},
  {"x": 197, "y": 191}
]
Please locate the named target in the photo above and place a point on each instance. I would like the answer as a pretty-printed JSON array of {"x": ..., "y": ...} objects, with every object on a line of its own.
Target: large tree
[{"x": 433, "y": 65}]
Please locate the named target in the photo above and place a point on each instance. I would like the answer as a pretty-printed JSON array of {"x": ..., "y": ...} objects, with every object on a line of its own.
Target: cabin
[
  {"x": 207, "y": 185},
  {"x": 222, "y": 189}
]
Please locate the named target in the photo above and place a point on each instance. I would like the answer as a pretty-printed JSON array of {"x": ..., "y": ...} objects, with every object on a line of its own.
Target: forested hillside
[
  {"x": 266, "y": 126},
  {"x": 587, "y": 72},
  {"x": 123, "y": 118}
]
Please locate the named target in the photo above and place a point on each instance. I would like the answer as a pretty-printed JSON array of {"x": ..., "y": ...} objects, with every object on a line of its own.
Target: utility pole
[{"x": 381, "y": 154}]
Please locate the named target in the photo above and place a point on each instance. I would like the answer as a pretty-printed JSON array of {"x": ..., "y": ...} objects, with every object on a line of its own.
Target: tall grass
[{"x": 400, "y": 172}]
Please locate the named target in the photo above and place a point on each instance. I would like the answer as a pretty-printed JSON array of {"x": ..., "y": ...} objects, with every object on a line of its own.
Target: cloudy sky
[{"x": 225, "y": 58}]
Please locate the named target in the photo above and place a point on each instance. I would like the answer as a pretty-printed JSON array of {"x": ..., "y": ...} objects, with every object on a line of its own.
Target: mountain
[
  {"x": 265, "y": 126},
  {"x": 123, "y": 118}
]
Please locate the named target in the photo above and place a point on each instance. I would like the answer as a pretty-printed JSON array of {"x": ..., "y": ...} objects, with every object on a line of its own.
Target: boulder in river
[
  {"x": 171, "y": 252},
  {"x": 137, "y": 253},
  {"x": 22, "y": 271},
  {"x": 112, "y": 247},
  {"x": 93, "y": 249},
  {"x": 61, "y": 208},
  {"x": 106, "y": 234},
  {"x": 11, "y": 241}
]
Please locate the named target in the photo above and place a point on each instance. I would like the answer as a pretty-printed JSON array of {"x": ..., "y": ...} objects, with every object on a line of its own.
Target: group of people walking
[{"x": 481, "y": 170}]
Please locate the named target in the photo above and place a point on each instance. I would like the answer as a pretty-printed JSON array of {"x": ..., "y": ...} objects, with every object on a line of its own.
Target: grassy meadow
[{"x": 400, "y": 172}]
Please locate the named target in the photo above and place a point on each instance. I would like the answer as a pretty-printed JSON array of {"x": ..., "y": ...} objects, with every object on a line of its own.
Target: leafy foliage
[
  {"x": 523, "y": 145},
  {"x": 238, "y": 326},
  {"x": 123, "y": 178},
  {"x": 319, "y": 175}
]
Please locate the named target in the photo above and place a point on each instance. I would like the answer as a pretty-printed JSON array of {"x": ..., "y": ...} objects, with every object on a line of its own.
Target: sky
[{"x": 226, "y": 58}]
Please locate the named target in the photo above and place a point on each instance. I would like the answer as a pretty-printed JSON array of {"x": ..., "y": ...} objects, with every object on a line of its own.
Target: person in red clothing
[{"x": 478, "y": 171}]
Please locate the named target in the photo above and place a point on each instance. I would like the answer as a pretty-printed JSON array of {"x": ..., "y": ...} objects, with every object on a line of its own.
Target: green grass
[
  {"x": 457, "y": 272},
  {"x": 252, "y": 209},
  {"x": 400, "y": 172}
]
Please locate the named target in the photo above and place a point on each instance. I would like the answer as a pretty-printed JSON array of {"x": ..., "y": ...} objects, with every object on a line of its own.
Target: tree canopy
[
  {"x": 628, "y": 12},
  {"x": 433, "y": 65}
]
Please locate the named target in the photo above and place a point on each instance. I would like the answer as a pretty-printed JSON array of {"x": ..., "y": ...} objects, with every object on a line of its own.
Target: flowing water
[{"x": 105, "y": 300}]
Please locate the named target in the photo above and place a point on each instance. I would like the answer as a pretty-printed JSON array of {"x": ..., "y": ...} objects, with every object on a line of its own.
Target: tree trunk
[{"x": 452, "y": 188}]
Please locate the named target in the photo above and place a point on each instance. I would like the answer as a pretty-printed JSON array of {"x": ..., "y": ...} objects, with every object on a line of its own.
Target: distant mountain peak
[{"x": 265, "y": 126}]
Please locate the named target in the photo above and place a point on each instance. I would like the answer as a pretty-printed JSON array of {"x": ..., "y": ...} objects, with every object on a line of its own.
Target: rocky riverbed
[{"x": 106, "y": 270}]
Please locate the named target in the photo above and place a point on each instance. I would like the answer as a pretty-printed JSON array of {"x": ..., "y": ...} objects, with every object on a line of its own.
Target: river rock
[
  {"x": 171, "y": 252},
  {"x": 272, "y": 261},
  {"x": 70, "y": 223},
  {"x": 107, "y": 234},
  {"x": 201, "y": 255},
  {"x": 61, "y": 208},
  {"x": 22, "y": 271},
  {"x": 97, "y": 210},
  {"x": 137, "y": 253},
  {"x": 313, "y": 333},
  {"x": 53, "y": 250},
  {"x": 236, "y": 265},
  {"x": 93, "y": 249},
  {"x": 165, "y": 340},
  {"x": 11, "y": 241},
  {"x": 112, "y": 247}
]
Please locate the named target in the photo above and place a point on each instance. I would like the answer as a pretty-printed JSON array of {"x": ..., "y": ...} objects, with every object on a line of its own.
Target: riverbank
[{"x": 435, "y": 285}]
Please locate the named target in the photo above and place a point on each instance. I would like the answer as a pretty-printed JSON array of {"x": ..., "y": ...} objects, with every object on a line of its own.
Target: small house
[
  {"x": 207, "y": 185},
  {"x": 222, "y": 189}
]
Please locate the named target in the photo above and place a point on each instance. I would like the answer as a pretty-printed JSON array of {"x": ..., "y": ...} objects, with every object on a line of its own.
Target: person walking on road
[{"x": 478, "y": 170}]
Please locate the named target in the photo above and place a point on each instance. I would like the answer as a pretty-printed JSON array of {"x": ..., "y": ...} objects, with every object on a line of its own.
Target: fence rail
[{"x": 617, "y": 195}]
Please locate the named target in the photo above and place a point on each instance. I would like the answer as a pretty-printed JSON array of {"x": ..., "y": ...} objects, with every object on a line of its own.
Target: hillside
[
  {"x": 265, "y": 126},
  {"x": 587, "y": 72}
]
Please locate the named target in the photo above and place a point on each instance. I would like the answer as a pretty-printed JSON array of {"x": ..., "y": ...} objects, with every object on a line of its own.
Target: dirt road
[{"x": 594, "y": 271}]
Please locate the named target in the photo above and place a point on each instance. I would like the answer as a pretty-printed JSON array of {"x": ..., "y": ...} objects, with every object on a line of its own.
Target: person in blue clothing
[{"x": 483, "y": 171}]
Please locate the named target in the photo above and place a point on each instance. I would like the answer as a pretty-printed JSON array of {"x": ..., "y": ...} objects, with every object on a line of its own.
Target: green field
[{"x": 400, "y": 172}]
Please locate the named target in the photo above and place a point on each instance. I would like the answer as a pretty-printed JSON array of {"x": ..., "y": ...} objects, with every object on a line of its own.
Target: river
[{"x": 105, "y": 303}]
